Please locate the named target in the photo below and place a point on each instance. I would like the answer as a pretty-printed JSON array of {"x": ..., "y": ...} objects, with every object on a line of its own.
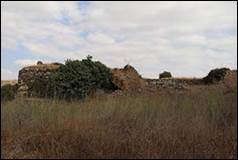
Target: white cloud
[
  {"x": 152, "y": 36},
  {"x": 29, "y": 62},
  {"x": 99, "y": 38},
  {"x": 25, "y": 62}
]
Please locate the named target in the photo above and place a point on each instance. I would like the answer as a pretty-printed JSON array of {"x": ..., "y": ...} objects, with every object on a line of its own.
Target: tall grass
[{"x": 187, "y": 125}]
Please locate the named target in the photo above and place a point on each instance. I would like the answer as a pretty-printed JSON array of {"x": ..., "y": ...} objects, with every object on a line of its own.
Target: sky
[{"x": 187, "y": 39}]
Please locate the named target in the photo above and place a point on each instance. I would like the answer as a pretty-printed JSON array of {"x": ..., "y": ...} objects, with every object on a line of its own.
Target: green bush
[
  {"x": 42, "y": 87},
  {"x": 74, "y": 80},
  {"x": 215, "y": 75},
  {"x": 165, "y": 75},
  {"x": 8, "y": 92}
]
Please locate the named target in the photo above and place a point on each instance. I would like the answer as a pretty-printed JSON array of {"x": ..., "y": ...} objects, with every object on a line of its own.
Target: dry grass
[
  {"x": 199, "y": 124},
  {"x": 12, "y": 82}
]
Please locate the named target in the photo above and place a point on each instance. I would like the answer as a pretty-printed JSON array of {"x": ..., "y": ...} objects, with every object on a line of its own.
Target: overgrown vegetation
[
  {"x": 165, "y": 74},
  {"x": 42, "y": 87},
  {"x": 199, "y": 124},
  {"x": 74, "y": 80},
  {"x": 215, "y": 75},
  {"x": 8, "y": 92}
]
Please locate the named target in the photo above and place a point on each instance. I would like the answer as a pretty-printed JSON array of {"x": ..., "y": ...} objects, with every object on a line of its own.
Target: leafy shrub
[
  {"x": 76, "y": 79},
  {"x": 39, "y": 62},
  {"x": 215, "y": 75},
  {"x": 8, "y": 92},
  {"x": 42, "y": 87},
  {"x": 165, "y": 75}
]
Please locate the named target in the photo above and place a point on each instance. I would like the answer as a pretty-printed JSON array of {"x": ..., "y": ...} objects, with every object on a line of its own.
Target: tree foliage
[
  {"x": 165, "y": 74},
  {"x": 215, "y": 75},
  {"x": 74, "y": 80},
  {"x": 42, "y": 87}
]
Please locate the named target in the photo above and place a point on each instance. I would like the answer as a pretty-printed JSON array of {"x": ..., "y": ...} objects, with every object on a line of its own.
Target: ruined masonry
[
  {"x": 26, "y": 75},
  {"x": 125, "y": 79}
]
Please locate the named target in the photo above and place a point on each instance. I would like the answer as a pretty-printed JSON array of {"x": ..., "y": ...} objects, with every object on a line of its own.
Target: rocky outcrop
[
  {"x": 127, "y": 79},
  {"x": 27, "y": 74}
]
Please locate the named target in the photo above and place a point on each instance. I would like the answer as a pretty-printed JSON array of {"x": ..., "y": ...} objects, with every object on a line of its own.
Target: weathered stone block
[{"x": 27, "y": 74}]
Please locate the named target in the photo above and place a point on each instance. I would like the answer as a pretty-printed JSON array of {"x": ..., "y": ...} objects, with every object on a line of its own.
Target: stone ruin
[
  {"x": 26, "y": 75},
  {"x": 173, "y": 83},
  {"x": 125, "y": 79},
  {"x": 128, "y": 79}
]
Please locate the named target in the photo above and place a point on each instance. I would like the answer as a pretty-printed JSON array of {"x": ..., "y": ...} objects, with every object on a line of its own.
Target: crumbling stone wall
[
  {"x": 26, "y": 75},
  {"x": 214, "y": 77},
  {"x": 173, "y": 83},
  {"x": 127, "y": 79}
]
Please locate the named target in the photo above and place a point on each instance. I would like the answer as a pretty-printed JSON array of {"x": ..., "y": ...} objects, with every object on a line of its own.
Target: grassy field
[
  {"x": 12, "y": 82},
  {"x": 199, "y": 124}
]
